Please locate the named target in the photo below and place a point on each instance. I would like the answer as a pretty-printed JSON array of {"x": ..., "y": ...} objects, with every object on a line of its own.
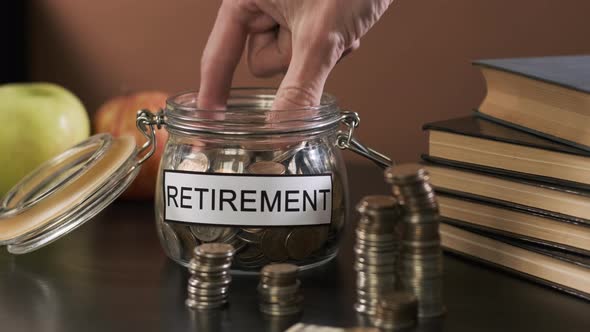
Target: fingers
[
  {"x": 311, "y": 63},
  {"x": 355, "y": 45},
  {"x": 269, "y": 52},
  {"x": 221, "y": 56}
]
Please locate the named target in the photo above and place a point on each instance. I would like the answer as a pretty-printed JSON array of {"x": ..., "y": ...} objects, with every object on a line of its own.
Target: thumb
[{"x": 312, "y": 61}]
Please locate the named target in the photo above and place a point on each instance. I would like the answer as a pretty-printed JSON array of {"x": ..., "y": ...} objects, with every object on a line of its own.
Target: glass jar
[{"x": 272, "y": 183}]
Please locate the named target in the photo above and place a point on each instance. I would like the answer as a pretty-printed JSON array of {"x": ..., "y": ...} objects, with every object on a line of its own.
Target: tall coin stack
[
  {"x": 279, "y": 290},
  {"x": 377, "y": 243},
  {"x": 420, "y": 266},
  {"x": 209, "y": 282}
]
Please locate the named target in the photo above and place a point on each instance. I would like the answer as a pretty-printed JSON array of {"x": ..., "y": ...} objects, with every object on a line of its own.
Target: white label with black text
[{"x": 248, "y": 200}]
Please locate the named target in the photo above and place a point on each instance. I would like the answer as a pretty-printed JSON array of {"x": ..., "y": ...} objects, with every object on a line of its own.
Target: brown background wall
[{"x": 412, "y": 67}]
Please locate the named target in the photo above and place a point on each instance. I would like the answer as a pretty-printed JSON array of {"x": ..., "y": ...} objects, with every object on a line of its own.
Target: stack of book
[{"x": 513, "y": 179}]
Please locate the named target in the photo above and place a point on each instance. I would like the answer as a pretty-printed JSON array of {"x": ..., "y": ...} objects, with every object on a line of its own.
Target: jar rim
[{"x": 248, "y": 112}]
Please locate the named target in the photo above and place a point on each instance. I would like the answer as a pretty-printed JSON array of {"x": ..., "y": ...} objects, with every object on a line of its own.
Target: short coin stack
[
  {"x": 420, "y": 267},
  {"x": 209, "y": 282},
  {"x": 375, "y": 250},
  {"x": 300, "y": 327},
  {"x": 396, "y": 310},
  {"x": 279, "y": 290}
]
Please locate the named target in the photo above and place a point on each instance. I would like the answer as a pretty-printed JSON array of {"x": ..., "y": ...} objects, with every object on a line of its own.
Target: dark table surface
[{"x": 111, "y": 275}]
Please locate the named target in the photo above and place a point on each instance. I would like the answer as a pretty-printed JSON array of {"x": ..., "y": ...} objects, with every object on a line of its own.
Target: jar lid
[{"x": 66, "y": 191}]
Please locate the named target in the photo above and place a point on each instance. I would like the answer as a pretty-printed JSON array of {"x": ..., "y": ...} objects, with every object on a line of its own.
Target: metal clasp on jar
[
  {"x": 346, "y": 140},
  {"x": 145, "y": 122}
]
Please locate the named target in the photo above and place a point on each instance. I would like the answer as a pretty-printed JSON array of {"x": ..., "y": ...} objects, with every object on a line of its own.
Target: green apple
[{"x": 38, "y": 121}]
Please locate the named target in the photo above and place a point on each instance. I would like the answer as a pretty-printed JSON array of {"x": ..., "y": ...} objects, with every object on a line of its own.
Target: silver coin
[
  {"x": 207, "y": 291},
  {"x": 194, "y": 162},
  {"x": 171, "y": 241},
  {"x": 187, "y": 239},
  {"x": 280, "y": 290},
  {"x": 228, "y": 234},
  {"x": 199, "y": 283},
  {"x": 207, "y": 233},
  {"x": 204, "y": 305}
]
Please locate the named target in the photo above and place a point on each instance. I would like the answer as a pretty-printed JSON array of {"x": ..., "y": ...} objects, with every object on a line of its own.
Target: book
[
  {"x": 525, "y": 195},
  {"x": 490, "y": 146},
  {"x": 545, "y": 266},
  {"x": 510, "y": 222},
  {"x": 549, "y": 96}
]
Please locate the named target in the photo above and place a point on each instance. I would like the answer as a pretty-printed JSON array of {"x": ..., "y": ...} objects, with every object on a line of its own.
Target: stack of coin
[
  {"x": 209, "y": 282},
  {"x": 396, "y": 310},
  {"x": 279, "y": 290},
  {"x": 420, "y": 266},
  {"x": 300, "y": 327},
  {"x": 376, "y": 247}
]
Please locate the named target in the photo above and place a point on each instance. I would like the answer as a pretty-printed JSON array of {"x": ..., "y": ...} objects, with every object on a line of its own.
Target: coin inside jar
[
  {"x": 302, "y": 242},
  {"x": 267, "y": 167},
  {"x": 195, "y": 162},
  {"x": 273, "y": 244},
  {"x": 172, "y": 241},
  {"x": 207, "y": 233}
]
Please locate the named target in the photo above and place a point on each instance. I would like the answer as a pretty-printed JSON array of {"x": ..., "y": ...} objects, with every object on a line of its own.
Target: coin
[
  {"x": 195, "y": 162},
  {"x": 207, "y": 233},
  {"x": 280, "y": 270},
  {"x": 250, "y": 237},
  {"x": 171, "y": 241},
  {"x": 279, "y": 290},
  {"x": 377, "y": 203},
  {"x": 301, "y": 242},
  {"x": 200, "y": 305},
  {"x": 228, "y": 234},
  {"x": 215, "y": 250},
  {"x": 270, "y": 286},
  {"x": 252, "y": 229},
  {"x": 208, "y": 285},
  {"x": 267, "y": 167},
  {"x": 199, "y": 283},
  {"x": 396, "y": 310},
  {"x": 250, "y": 253},
  {"x": 406, "y": 174},
  {"x": 187, "y": 239},
  {"x": 272, "y": 244}
]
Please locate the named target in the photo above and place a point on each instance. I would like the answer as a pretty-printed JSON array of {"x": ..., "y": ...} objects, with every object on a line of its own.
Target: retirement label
[{"x": 247, "y": 200}]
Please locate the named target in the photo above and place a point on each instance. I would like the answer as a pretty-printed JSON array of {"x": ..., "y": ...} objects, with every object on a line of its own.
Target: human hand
[{"x": 302, "y": 38}]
